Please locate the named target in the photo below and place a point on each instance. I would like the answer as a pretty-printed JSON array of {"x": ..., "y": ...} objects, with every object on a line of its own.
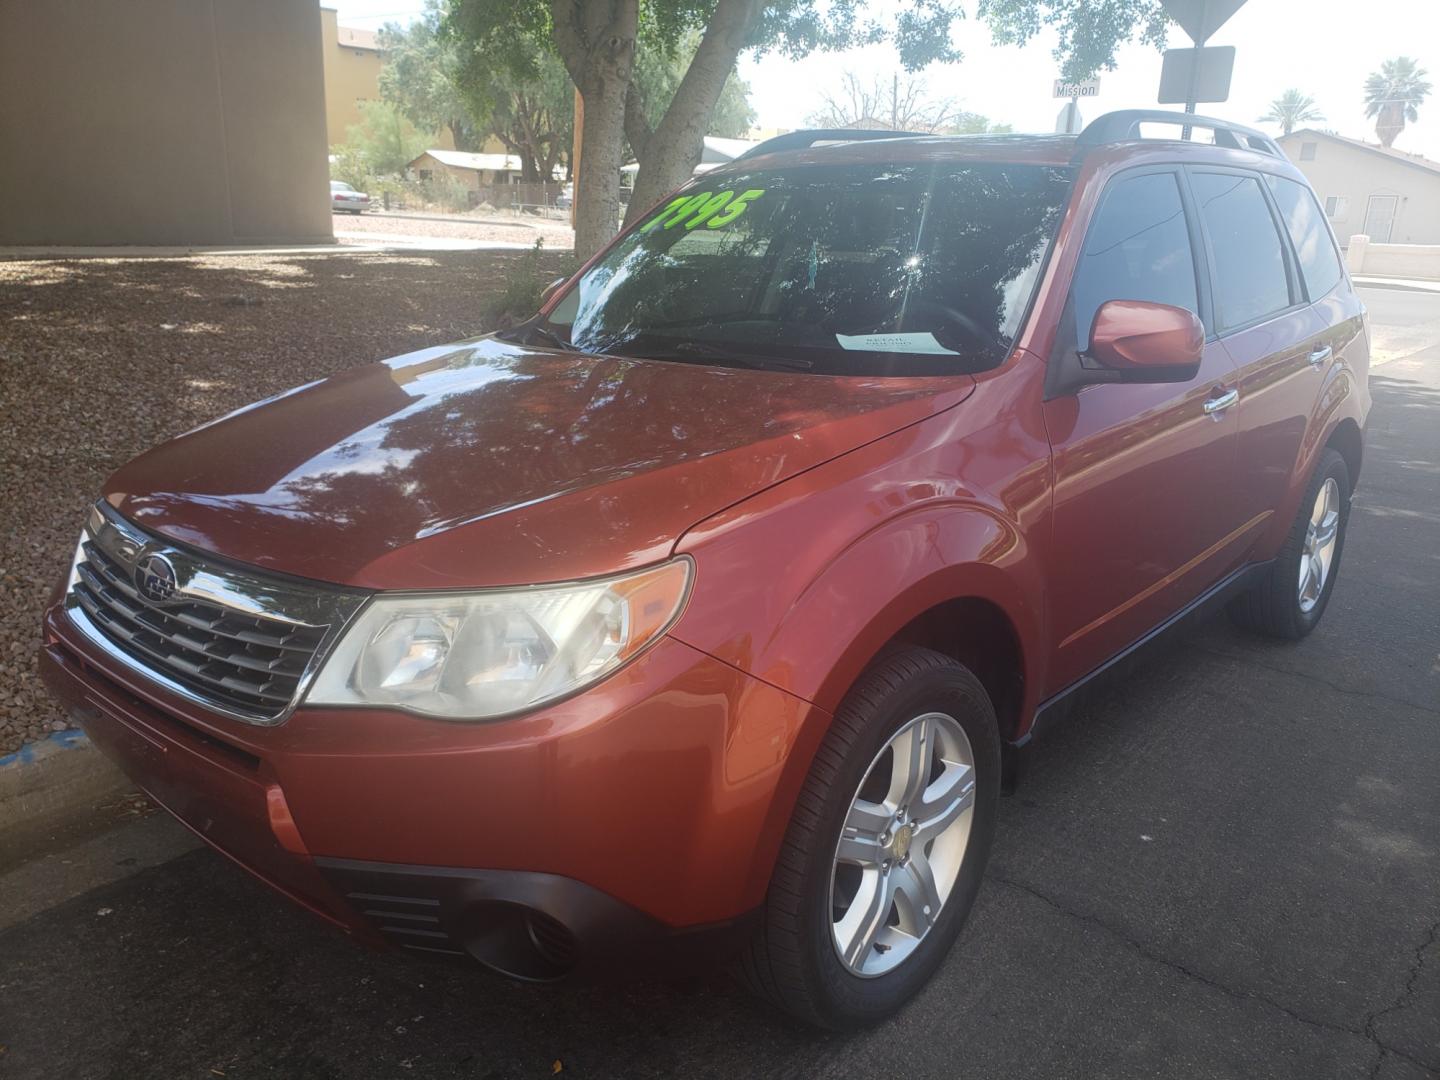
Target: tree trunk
[
  {"x": 671, "y": 153},
  {"x": 596, "y": 41},
  {"x": 1390, "y": 122},
  {"x": 461, "y": 135}
]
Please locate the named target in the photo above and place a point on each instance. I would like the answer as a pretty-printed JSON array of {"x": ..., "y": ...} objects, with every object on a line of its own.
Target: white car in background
[{"x": 346, "y": 198}]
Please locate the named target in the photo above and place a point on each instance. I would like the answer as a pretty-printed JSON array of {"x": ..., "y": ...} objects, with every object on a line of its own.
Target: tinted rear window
[
  {"x": 876, "y": 269},
  {"x": 1249, "y": 270},
  {"x": 1308, "y": 232}
]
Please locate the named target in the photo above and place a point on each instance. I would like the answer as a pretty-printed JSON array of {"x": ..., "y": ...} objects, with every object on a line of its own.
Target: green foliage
[
  {"x": 520, "y": 296},
  {"x": 598, "y": 39},
  {"x": 657, "y": 76},
  {"x": 384, "y": 139},
  {"x": 442, "y": 190},
  {"x": 533, "y": 117},
  {"x": 347, "y": 163},
  {"x": 1291, "y": 109},
  {"x": 734, "y": 116},
  {"x": 1090, "y": 31},
  {"x": 970, "y": 123},
  {"x": 421, "y": 78}
]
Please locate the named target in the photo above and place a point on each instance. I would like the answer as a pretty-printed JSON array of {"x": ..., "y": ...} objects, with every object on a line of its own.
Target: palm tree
[
  {"x": 1393, "y": 94},
  {"x": 1292, "y": 108}
]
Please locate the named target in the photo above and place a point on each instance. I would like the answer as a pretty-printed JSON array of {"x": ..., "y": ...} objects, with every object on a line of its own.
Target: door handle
[
  {"x": 1320, "y": 355},
  {"x": 1221, "y": 403}
]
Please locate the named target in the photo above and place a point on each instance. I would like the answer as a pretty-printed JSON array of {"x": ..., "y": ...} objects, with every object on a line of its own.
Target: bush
[
  {"x": 520, "y": 297},
  {"x": 348, "y": 164}
]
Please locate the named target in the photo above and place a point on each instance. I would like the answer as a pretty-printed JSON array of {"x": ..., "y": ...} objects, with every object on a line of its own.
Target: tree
[
  {"x": 421, "y": 78},
  {"x": 1394, "y": 95},
  {"x": 384, "y": 139},
  {"x": 657, "y": 76},
  {"x": 970, "y": 123},
  {"x": 897, "y": 103},
  {"x": 533, "y": 117},
  {"x": 347, "y": 163},
  {"x": 1290, "y": 109},
  {"x": 597, "y": 40}
]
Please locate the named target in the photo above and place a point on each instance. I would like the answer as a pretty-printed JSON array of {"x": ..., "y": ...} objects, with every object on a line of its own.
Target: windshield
[
  {"x": 877, "y": 269},
  {"x": 336, "y": 185}
]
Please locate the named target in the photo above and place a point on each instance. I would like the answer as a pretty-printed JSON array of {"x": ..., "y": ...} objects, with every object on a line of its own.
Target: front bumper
[{"x": 638, "y": 820}]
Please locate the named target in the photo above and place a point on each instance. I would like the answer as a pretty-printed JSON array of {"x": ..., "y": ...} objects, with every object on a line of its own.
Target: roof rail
[
  {"x": 1124, "y": 126},
  {"x": 800, "y": 140}
]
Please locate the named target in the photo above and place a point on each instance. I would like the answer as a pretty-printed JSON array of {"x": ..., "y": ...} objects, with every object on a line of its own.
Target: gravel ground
[
  {"x": 556, "y": 234},
  {"x": 102, "y": 358}
]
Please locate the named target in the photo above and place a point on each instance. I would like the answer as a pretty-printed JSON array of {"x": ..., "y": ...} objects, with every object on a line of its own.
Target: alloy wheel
[
  {"x": 1318, "y": 555},
  {"x": 902, "y": 844}
]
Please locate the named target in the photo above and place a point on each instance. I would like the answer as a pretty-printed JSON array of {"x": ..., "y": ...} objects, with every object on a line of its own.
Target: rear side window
[
  {"x": 1318, "y": 261},
  {"x": 1250, "y": 279},
  {"x": 1138, "y": 248}
]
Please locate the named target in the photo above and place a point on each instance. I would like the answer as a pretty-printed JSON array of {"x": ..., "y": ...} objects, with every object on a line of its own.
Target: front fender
[{"x": 802, "y": 585}]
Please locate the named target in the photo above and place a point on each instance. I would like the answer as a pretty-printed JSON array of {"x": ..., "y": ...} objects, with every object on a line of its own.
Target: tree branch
[{"x": 637, "y": 125}]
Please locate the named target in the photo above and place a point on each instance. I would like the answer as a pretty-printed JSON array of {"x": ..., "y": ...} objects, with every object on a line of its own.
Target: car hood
[{"x": 487, "y": 463}]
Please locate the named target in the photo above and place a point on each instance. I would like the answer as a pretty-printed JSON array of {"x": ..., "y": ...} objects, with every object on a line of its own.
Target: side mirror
[
  {"x": 550, "y": 290},
  {"x": 1142, "y": 342}
]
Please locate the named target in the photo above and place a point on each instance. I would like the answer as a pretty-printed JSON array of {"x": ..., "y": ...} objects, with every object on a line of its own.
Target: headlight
[{"x": 474, "y": 656}]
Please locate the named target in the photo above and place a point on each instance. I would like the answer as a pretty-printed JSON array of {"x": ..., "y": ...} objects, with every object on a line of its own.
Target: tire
[
  {"x": 794, "y": 961},
  {"x": 1275, "y": 606}
]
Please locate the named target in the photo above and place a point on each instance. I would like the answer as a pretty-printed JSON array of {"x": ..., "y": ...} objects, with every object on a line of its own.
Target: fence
[
  {"x": 1392, "y": 260},
  {"x": 518, "y": 197}
]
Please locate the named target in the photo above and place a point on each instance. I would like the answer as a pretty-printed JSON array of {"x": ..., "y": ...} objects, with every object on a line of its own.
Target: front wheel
[
  {"x": 1289, "y": 600},
  {"x": 887, "y": 845}
]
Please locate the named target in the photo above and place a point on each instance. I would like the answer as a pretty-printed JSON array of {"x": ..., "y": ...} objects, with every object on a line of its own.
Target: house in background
[
  {"x": 1389, "y": 195},
  {"x": 475, "y": 171}
]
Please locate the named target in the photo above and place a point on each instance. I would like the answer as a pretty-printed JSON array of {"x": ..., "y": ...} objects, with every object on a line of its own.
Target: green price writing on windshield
[{"x": 712, "y": 210}]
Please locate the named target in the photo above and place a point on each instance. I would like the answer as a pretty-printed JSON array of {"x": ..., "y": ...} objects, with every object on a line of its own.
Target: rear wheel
[
  {"x": 1289, "y": 600},
  {"x": 887, "y": 845}
]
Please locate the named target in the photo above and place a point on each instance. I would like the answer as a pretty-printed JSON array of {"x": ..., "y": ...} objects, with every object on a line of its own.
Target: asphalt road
[{"x": 1229, "y": 866}]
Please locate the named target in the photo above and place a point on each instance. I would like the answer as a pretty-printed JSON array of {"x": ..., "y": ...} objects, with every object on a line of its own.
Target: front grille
[
  {"x": 241, "y": 642},
  {"x": 247, "y": 662}
]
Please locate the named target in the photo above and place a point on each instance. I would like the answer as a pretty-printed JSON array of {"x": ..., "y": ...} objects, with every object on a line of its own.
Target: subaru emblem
[{"x": 155, "y": 578}]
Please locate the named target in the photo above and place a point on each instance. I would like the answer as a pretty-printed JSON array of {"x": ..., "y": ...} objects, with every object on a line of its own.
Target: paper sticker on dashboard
[{"x": 896, "y": 343}]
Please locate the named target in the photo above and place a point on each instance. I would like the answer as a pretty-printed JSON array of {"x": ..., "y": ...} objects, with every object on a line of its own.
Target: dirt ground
[{"x": 102, "y": 358}]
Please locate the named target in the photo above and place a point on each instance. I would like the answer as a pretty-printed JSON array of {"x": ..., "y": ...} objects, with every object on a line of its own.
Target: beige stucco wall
[
  {"x": 162, "y": 122},
  {"x": 1354, "y": 173}
]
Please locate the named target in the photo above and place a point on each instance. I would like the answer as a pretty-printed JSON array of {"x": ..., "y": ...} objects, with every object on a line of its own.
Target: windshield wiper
[
  {"x": 524, "y": 334},
  {"x": 687, "y": 349}
]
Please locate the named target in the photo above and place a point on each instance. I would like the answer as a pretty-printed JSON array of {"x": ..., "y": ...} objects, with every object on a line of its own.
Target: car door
[
  {"x": 1144, "y": 511},
  {"x": 1279, "y": 343}
]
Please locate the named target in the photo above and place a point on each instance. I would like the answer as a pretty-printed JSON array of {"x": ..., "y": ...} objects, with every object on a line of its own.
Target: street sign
[
  {"x": 1192, "y": 75},
  {"x": 1201, "y": 18},
  {"x": 1069, "y": 121},
  {"x": 1077, "y": 89}
]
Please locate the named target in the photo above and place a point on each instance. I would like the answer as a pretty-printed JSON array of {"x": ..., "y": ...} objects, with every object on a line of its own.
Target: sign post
[
  {"x": 1069, "y": 121},
  {"x": 1199, "y": 19}
]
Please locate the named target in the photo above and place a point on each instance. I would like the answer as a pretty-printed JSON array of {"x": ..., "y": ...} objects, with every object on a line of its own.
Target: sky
[{"x": 1325, "y": 48}]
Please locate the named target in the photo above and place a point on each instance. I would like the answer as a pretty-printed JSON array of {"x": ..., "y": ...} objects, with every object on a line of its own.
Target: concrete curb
[{"x": 44, "y": 783}]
